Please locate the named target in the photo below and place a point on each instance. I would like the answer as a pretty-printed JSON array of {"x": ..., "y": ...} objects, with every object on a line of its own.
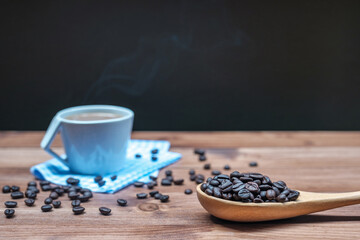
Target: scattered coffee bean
[
  {"x": 32, "y": 183},
  {"x": 188, "y": 191},
  {"x": 192, "y": 177},
  {"x": 56, "y": 204},
  {"x": 29, "y": 202},
  {"x": 79, "y": 210},
  {"x": 9, "y": 213},
  {"x": 253, "y": 164},
  {"x": 75, "y": 203},
  {"x": 6, "y": 189},
  {"x": 54, "y": 195},
  {"x": 98, "y": 179},
  {"x": 138, "y": 184},
  {"x": 15, "y": 188},
  {"x": 48, "y": 200},
  {"x": 101, "y": 183},
  {"x": 17, "y": 195},
  {"x": 46, "y": 208},
  {"x": 207, "y": 166},
  {"x": 199, "y": 151},
  {"x": 199, "y": 180},
  {"x": 42, "y": 183},
  {"x": 154, "y": 158},
  {"x": 170, "y": 178},
  {"x": 157, "y": 195},
  {"x": 153, "y": 178},
  {"x": 164, "y": 198},
  {"x": 10, "y": 204},
  {"x": 226, "y": 167},
  {"x": 152, "y": 193},
  {"x": 165, "y": 182},
  {"x": 30, "y": 194},
  {"x": 73, "y": 195},
  {"x": 105, "y": 210},
  {"x": 168, "y": 173},
  {"x": 72, "y": 181},
  {"x": 141, "y": 195},
  {"x": 33, "y": 189},
  {"x": 215, "y": 172},
  {"x": 88, "y": 195},
  {"x": 122, "y": 202},
  {"x": 113, "y": 178},
  {"x": 83, "y": 198},
  {"x": 138, "y": 155},
  {"x": 46, "y": 188},
  {"x": 202, "y": 158},
  {"x": 59, "y": 191},
  {"x": 155, "y": 151},
  {"x": 191, "y": 172},
  {"x": 179, "y": 181}
]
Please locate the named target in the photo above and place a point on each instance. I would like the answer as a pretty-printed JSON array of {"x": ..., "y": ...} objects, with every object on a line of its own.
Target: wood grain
[{"x": 323, "y": 166}]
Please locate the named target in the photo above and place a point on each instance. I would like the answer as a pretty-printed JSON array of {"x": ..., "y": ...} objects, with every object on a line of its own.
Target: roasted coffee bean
[
  {"x": 188, "y": 191},
  {"x": 66, "y": 188},
  {"x": 101, "y": 183},
  {"x": 238, "y": 186},
  {"x": 165, "y": 182},
  {"x": 223, "y": 176},
  {"x": 6, "y": 189},
  {"x": 29, "y": 202},
  {"x": 236, "y": 180},
  {"x": 252, "y": 187},
  {"x": 48, "y": 200},
  {"x": 256, "y": 176},
  {"x": 246, "y": 179},
  {"x": 152, "y": 193},
  {"x": 79, "y": 210},
  {"x": 10, "y": 204},
  {"x": 266, "y": 180},
  {"x": 56, "y": 204},
  {"x": 46, "y": 208},
  {"x": 170, "y": 178},
  {"x": 202, "y": 158},
  {"x": 72, "y": 181},
  {"x": 168, "y": 173},
  {"x": 138, "y": 184},
  {"x": 83, "y": 198},
  {"x": 46, "y": 188},
  {"x": 192, "y": 177},
  {"x": 157, "y": 195},
  {"x": 155, "y": 151},
  {"x": 138, "y": 155},
  {"x": 264, "y": 187},
  {"x": 87, "y": 194},
  {"x": 105, "y": 210},
  {"x": 226, "y": 167},
  {"x": 203, "y": 187},
  {"x": 281, "y": 198},
  {"x": 75, "y": 203},
  {"x": 122, "y": 202},
  {"x": 257, "y": 181},
  {"x": 285, "y": 192},
  {"x": 150, "y": 185},
  {"x": 164, "y": 198},
  {"x": 179, "y": 181},
  {"x": 30, "y": 194},
  {"x": 235, "y": 174},
  {"x": 199, "y": 151},
  {"x": 258, "y": 200},
  {"x": 42, "y": 183},
  {"x": 15, "y": 188},
  {"x": 59, "y": 191},
  {"x": 113, "y": 178},
  {"x": 263, "y": 194},
  {"x": 32, "y": 183},
  {"x": 293, "y": 195},
  {"x": 199, "y": 180},
  {"x": 33, "y": 189},
  {"x": 54, "y": 195},
  {"x": 277, "y": 191},
  {"x": 153, "y": 178},
  {"x": 141, "y": 195},
  {"x": 253, "y": 164},
  {"x": 191, "y": 172},
  {"x": 207, "y": 166},
  {"x": 154, "y": 158},
  {"x": 215, "y": 183},
  {"x": 244, "y": 194},
  {"x": 279, "y": 185},
  {"x": 270, "y": 194},
  {"x": 209, "y": 179},
  {"x": 215, "y": 172},
  {"x": 9, "y": 213},
  {"x": 217, "y": 192},
  {"x": 200, "y": 176},
  {"x": 227, "y": 196},
  {"x": 209, "y": 192},
  {"x": 73, "y": 195},
  {"x": 98, "y": 179},
  {"x": 17, "y": 195},
  {"x": 211, "y": 187}
]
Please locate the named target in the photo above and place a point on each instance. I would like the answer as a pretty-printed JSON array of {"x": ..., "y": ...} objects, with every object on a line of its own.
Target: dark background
[{"x": 183, "y": 65}]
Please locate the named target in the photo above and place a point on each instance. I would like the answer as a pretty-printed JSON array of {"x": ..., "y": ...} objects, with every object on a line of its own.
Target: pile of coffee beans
[{"x": 248, "y": 187}]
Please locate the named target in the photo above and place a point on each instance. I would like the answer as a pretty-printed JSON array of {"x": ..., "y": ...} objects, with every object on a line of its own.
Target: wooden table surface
[{"x": 309, "y": 161}]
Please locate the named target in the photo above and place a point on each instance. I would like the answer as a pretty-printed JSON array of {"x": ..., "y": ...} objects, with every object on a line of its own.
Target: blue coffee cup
[{"x": 94, "y": 147}]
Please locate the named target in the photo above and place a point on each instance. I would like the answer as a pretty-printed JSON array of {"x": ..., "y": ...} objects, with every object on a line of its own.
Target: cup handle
[{"x": 50, "y": 134}]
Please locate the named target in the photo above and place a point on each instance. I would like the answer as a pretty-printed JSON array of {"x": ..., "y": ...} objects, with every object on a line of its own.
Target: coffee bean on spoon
[
  {"x": 105, "y": 210},
  {"x": 10, "y": 204},
  {"x": 78, "y": 210},
  {"x": 29, "y": 202}
]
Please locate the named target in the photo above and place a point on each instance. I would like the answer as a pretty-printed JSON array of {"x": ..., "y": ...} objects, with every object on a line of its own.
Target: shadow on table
[{"x": 316, "y": 218}]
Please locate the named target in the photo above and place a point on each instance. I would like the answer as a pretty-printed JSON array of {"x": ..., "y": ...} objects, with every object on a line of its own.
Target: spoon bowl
[{"x": 308, "y": 202}]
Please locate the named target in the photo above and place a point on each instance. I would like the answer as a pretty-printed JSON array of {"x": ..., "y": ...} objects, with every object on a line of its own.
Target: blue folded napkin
[{"x": 135, "y": 169}]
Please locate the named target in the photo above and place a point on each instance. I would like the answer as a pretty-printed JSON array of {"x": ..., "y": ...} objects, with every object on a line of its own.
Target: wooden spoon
[{"x": 308, "y": 202}]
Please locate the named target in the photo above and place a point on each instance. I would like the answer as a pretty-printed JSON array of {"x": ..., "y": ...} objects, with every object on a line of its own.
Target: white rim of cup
[{"x": 129, "y": 113}]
